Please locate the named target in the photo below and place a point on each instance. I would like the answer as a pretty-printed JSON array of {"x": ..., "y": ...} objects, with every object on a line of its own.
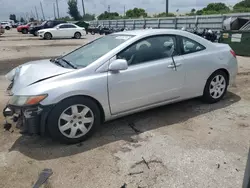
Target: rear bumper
[{"x": 30, "y": 120}]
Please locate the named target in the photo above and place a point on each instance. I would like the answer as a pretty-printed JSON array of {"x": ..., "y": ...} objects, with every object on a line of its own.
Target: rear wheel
[
  {"x": 77, "y": 35},
  {"x": 92, "y": 32},
  {"x": 216, "y": 87},
  {"x": 74, "y": 120},
  {"x": 47, "y": 36},
  {"x": 7, "y": 28},
  {"x": 24, "y": 31}
]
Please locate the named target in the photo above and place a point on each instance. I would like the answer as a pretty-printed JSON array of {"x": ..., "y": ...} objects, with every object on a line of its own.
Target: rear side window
[{"x": 190, "y": 46}]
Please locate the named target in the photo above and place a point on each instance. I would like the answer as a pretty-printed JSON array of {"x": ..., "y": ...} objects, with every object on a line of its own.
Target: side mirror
[
  {"x": 118, "y": 65},
  {"x": 57, "y": 27}
]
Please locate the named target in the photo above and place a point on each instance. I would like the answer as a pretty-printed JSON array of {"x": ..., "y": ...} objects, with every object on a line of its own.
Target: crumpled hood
[{"x": 32, "y": 72}]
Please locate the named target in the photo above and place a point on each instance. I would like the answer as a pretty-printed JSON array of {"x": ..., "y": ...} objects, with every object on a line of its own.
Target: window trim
[
  {"x": 181, "y": 45},
  {"x": 145, "y": 38}
]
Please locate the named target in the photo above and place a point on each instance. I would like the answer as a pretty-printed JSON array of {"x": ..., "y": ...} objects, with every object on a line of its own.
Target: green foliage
[
  {"x": 66, "y": 18},
  {"x": 217, "y": 7},
  {"x": 243, "y": 5},
  {"x": 136, "y": 13},
  {"x": 88, "y": 17},
  {"x": 22, "y": 19},
  {"x": 193, "y": 11},
  {"x": 108, "y": 16},
  {"x": 73, "y": 9},
  {"x": 164, "y": 14},
  {"x": 13, "y": 17}
]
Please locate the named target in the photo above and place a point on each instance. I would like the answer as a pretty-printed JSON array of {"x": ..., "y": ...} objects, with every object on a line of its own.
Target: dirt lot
[{"x": 189, "y": 144}]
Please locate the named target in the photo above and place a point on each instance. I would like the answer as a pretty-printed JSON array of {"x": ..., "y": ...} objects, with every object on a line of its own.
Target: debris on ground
[
  {"x": 7, "y": 126},
  {"x": 124, "y": 185},
  {"x": 132, "y": 125},
  {"x": 135, "y": 173},
  {"x": 218, "y": 165},
  {"x": 145, "y": 162},
  {"x": 43, "y": 177}
]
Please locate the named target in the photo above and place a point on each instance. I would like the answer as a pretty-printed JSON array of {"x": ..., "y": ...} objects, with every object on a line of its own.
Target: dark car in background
[{"x": 44, "y": 25}]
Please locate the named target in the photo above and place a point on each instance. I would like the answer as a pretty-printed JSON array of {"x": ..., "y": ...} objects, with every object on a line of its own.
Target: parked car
[
  {"x": 2, "y": 30},
  {"x": 6, "y": 25},
  {"x": 46, "y": 24},
  {"x": 116, "y": 75},
  {"x": 24, "y": 28},
  {"x": 65, "y": 30}
]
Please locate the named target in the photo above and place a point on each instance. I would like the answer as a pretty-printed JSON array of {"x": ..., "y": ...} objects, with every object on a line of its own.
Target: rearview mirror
[
  {"x": 57, "y": 27},
  {"x": 118, "y": 65}
]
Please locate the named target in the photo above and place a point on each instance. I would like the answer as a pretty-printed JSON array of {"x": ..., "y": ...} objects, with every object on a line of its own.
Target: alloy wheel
[
  {"x": 217, "y": 86},
  {"x": 76, "y": 121}
]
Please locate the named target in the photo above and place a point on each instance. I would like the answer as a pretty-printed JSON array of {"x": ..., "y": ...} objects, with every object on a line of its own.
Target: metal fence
[{"x": 214, "y": 22}]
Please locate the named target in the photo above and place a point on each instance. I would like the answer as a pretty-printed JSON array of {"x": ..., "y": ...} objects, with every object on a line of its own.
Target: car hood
[{"x": 33, "y": 72}]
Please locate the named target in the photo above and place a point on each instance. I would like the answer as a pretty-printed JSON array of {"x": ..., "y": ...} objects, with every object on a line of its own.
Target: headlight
[{"x": 19, "y": 100}]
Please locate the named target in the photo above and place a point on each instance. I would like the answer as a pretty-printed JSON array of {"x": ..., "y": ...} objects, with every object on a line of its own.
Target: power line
[
  {"x": 36, "y": 14},
  {"x": 57, "y": 9},
  {"x": 42, "y": 10},
  {"x": 83, "y": 8},
  {"x": 54, "y": 7},
  {"x": 166, "y": 6}
]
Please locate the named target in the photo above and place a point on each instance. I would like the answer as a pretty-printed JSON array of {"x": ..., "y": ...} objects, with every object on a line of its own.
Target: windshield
[
  {"x": 92, "y": 51},
  {"x": 44, "y": 23}
]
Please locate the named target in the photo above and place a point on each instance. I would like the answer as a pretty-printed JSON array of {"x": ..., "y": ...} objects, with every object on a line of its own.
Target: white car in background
[
  {"x": 65, "y": 30},
  {"x": 6, "y": 25}
]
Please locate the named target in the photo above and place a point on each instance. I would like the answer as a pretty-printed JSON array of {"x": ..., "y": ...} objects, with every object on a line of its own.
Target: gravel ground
[{"x": 189, "y": 144}]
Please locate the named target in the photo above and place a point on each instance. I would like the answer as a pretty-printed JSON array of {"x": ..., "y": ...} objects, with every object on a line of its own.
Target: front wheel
[
  {"x": 74, "y": 120},
  {"x": 47, "y": 36},
  {"x": 77, "y": 35},
  {"x": 7, "y": 28},
  {"x": 24, "y": 31},
  {"x": 216, "y": 87}
]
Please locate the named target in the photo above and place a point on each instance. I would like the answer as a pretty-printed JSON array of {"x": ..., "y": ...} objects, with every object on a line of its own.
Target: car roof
[{"x": 141, "y": 32}]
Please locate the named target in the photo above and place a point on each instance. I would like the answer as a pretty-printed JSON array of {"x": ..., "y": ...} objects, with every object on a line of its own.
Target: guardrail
[{"x": 214, "y": 22}]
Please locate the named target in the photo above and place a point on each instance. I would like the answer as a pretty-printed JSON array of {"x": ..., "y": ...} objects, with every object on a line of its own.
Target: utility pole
[
  {"x": 57, "y": 9},
  {"x": 36, "y": 14},
  {"x": 54, "y": 8},
  {"x": 124, "y": 10},
  {"x": 166, "y": 7},
  {"x": 109, "y": 8},
  {"x": 83, "y": 8},
  {"x": 42, "y": 10}
]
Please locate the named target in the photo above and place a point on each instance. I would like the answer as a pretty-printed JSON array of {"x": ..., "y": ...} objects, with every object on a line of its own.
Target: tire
[
  {"x": 47, "y": 36},
  {"x": 7, "y": 28},
  {"x": 92, "y": 33},
  {"x": 216, "y": 87},
  {"x": 24, "y": 31},
  {"x": 72, "y": 133},
  {"x": 36, "y": 33},
  {"x": 77, "y": 35}
]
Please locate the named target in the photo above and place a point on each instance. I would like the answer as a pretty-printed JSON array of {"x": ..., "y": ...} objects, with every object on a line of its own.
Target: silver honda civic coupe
[{"x": 116, "y": 75}]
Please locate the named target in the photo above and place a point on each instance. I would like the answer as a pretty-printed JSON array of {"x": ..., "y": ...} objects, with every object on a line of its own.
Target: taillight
[{"x": 233, "y": 53}]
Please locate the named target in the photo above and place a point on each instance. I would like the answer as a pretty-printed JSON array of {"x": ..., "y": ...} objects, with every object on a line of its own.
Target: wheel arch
[
  {"x": 44, "y": 118},
  {"x": 225, "y": 71}
]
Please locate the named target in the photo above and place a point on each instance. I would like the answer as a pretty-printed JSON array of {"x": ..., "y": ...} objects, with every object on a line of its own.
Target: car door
[
  {"x": 152, "y": 76},
  {"x": 61, "y": 31},
  {"x": 71, "y": 30},
  {"x": 197, "y": 62}
]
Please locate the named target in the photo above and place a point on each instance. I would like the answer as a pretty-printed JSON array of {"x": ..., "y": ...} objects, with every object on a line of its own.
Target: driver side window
[{"x": 149, "y": 49}]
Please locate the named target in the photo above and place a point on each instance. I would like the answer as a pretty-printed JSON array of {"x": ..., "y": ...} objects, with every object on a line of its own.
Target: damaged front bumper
[{"x": 29, "y": 119}]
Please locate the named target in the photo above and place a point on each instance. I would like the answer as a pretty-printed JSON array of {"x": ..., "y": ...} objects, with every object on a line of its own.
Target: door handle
[{"x": 171, "y": 66}]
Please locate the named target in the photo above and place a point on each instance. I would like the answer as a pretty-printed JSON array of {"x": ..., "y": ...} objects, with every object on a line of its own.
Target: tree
[
  {"x": 243, "y": 5},
  {"x": 89, "y": 17},
  {"x": 193, "y": 11},
  {"x": 32, "y": 20},
  {"x": 13, "y": 17},
  {"x": 108, "y": 16},
  {"x": 22, "y": 20},
  {"x": 164, "y": 14},
  {"x": 136, "y": 13},
  {"x": 73, "y": 9},
  {"x": 217, "y": 7}
]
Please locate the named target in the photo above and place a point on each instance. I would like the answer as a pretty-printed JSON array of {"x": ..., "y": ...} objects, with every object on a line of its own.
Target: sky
[{"x": 27, "y": 7}]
